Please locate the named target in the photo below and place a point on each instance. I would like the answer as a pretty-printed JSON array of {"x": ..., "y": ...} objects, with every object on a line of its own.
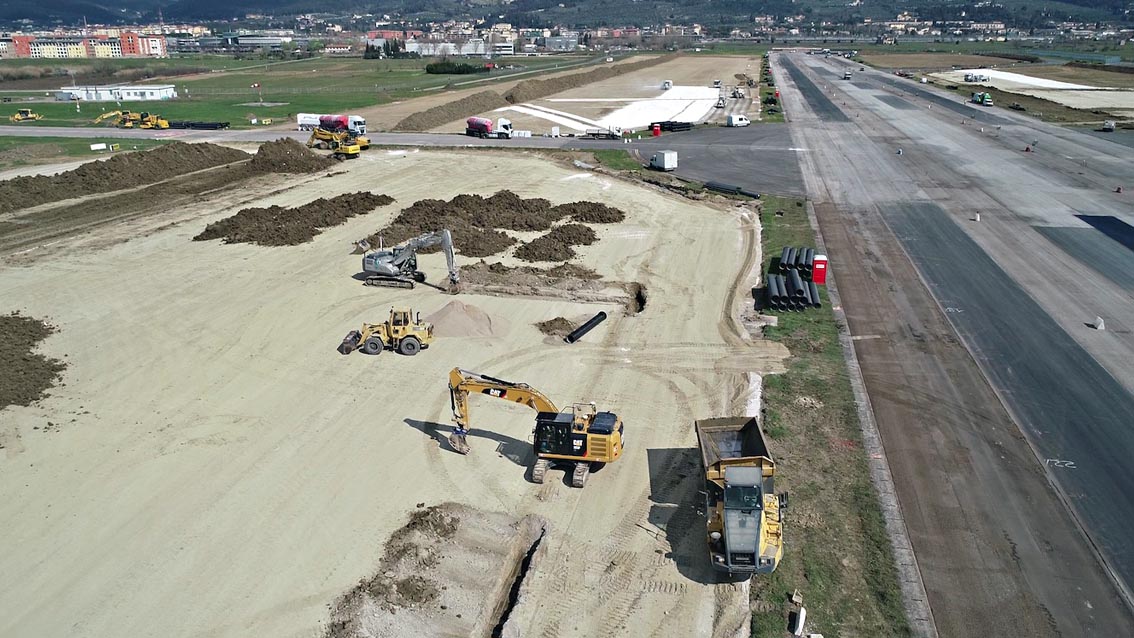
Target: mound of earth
[
  {"x": 442, "y": 114},
  {"x": 557, "y": 327},
  {"x": 562, "y": 271},
  {"x": 556, "y": 245},
  {"x": 524, "y": 91},
  {"x": 458, "y": 319},
  {"x": 24, "y": 375},
  {"x": 476, "y": 222},
  {"x": 279, "y": 226},
  {"x": 447, "y": 572},
  {"x": 286, "y": 155},
  {"x": 122, "y": 170}
]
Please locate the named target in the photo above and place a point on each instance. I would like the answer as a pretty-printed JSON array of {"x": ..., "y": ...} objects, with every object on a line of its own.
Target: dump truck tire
[
  {"x": 373, "y": 345},
  {"x": 409, "y": 346}
]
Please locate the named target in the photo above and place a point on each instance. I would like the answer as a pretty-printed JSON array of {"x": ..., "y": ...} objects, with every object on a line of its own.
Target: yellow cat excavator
[{"x": 583, "y": 436}]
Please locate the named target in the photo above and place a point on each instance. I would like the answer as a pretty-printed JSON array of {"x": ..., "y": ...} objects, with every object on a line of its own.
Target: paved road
[
  {"x": 998, "y": 548},
  {"x": 760, "y": 158}
]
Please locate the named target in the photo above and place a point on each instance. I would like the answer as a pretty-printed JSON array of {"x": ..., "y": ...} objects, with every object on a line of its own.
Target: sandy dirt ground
[
  {"x": 1072, "y": 94},
  {"x": 218, "y": 469},
  {"x": 600, "y": 99},
  {"x": 934, "y": 60},
  {"x": 385, "y": 116}
]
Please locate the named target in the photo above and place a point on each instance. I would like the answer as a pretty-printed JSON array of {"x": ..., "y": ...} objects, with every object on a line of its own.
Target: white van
[{"x": 737, "y": 120}]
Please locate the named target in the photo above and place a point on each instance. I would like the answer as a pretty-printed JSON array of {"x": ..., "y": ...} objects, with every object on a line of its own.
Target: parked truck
[
  {"x": 664, "y": 161},
  {"x": 738, "y": 120},
  {"x": 984, "y": 99},
  {"x": 485, "y": 128},
  {"x": 356, "y": 124},
  {"x": 1108, "y": 126},
  {"x": 846, "y": 75},
  {"x": 744, "y": 515},
  {"x": 608, "y": 133},
  {"x": 350, "y": 128}
]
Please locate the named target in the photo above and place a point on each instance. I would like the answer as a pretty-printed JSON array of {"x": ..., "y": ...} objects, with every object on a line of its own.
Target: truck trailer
[
  {"x": 744, "y": 515},
  {"x": 664, "y": 161},
  {"x": 356, "y": 124},
  {"x": 483, "y": 127}
]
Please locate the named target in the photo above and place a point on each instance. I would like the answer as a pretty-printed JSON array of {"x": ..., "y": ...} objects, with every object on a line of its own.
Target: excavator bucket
[
  {"x": 360, "y": 247},
  {"x": 350, "y": 342},
  {"x": 459, "y": 443}
]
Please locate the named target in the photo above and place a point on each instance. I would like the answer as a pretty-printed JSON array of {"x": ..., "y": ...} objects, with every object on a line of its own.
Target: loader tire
[
  {"x": 373, "y": 346},
  {"x": 409, "y": 346}
]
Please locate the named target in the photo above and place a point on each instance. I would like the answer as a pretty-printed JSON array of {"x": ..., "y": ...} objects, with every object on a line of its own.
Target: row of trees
[
  {"x": 448, "y": 67},
  {"x": 392, "y": 48}
]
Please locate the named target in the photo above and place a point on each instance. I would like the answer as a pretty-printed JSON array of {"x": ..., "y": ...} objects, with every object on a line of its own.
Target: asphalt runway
[
  {"x": 759, "y": 158},
  {"x": 822, "y": 105},
  {"x": 1096, "y": 251},
  {"x": 895, "y": 102},
  {"x": 1112, "y": 227},
  {"x": 1081, "y": 420}
]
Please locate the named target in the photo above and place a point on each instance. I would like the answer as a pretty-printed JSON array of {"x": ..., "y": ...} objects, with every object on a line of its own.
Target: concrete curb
[{"x": 914, "y": 598}]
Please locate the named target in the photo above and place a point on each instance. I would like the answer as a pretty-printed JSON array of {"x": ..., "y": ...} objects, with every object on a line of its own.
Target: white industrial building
[{"x": 117, "y": 93}]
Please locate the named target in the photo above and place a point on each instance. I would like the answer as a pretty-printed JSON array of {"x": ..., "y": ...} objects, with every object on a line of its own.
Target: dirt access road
[
  {"x": 218, "y": 469},
  {"x": 999, "y": 551}
]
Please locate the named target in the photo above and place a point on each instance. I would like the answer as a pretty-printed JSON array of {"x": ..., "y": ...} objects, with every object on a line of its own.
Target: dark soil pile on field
[
  {"x": 286, "y": 155},
  {"x": 24, "y": 375},
  {"x": 476, "y": 222},
  {"x": 524, "y": 91},
  {"x": 557, "y": 327},
  {"x": 562, "y": 271},
  {"x": 279, "y": 226},
  {"x": 123, "y": 170},
  {"x": 556, "y": 245},
  {"x": 529, "y": 90},
  {"x": 442, "y": 114}
]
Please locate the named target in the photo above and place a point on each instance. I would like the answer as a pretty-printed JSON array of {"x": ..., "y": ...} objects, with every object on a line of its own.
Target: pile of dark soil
[
  {"x": 411, "y": 548},
  {"x": 556, "y": 245},
  {"x": 562, "y": 271},
  {"x": 279, "y": 226},
  {"x": 24, "y": 375},
  {"x": 529, "y": 90},
  {"x": 286, "y": 155},
  {"x": 524, "y": 91},
  {"x": 457, "y": 109},
  {"x": 476, "y": 221},
  {"x": 123, "y": 170},
  {"x": 557, "y": 327}
]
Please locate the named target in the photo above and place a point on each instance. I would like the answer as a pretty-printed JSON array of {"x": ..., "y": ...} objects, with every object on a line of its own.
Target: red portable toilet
[
  {"x": 777, "y": 94},
  {"x": 656, "y": 130},
  {"x": 819, "y": 270}
]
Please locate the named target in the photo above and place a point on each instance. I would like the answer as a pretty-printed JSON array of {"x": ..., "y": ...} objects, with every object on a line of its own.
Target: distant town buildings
[{"x": 127, "y": 44}]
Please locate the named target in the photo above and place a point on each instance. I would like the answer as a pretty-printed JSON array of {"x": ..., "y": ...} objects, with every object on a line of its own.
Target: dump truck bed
[{"x": 728, "y": 441}]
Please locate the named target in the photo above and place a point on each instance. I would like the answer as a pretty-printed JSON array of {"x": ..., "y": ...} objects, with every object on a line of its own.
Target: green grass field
[
  {"x": 316, "y": 85},
  {"x": 836, "y": 550},
  {"x": 24, "y": 151}
]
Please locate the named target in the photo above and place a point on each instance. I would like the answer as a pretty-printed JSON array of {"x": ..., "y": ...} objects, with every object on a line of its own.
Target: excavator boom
[
  {"x": 462, "y": 382},
  {"x": 398, "y": 267}
]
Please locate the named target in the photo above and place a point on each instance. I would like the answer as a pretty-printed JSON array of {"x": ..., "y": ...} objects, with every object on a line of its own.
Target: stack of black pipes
[{"x": 791, "y": 288}]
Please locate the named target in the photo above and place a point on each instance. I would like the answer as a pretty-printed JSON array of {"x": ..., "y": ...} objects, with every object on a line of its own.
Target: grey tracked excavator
[{"x": 397, "y": 267}]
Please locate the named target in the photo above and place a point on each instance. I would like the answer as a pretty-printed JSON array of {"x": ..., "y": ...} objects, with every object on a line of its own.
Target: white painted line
[{"x": 562, "y": 121}]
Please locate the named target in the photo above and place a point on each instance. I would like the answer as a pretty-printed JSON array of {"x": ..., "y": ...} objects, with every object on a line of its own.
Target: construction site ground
[
  {"x": 216, "y": 467},
  {"x": 601, "y": 98}
]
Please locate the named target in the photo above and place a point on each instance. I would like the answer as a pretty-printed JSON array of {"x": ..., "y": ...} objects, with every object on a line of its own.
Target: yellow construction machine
[
  {"x": 400, "y": 332},
  {"x": 343, "y": 143},
  {"x": 25, "y": 115},
  {"x": 133, "y": 119},
  {"x": 151, "y": 121},
  {"x": 582, "y": 437},
  {"x": 745, "y": 515}
]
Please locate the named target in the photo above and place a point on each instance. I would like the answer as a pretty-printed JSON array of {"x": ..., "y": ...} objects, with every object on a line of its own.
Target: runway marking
[
  {"x": 1070, "y": 465},
  {"x": 863, "y": 337}
]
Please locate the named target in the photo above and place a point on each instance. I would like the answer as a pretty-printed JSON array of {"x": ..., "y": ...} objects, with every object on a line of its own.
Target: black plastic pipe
[
  {"x": 795, "y": 285},
  {"x": 578, "y": 333},
  {"x": 815, "y": 301}
]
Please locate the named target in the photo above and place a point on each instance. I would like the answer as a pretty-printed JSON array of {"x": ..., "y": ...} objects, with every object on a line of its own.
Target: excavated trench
[{"x": 505, "y": 606}]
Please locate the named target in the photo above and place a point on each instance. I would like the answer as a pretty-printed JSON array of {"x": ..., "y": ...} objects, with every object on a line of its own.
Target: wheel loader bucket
[
  {"x": 459, "y": 443},
  {"x": 350, "y": 342},
  {"x": 360, "y": 247}
]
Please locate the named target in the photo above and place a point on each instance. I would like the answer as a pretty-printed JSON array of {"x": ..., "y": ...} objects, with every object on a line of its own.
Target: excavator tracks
[
  {"x": 388, "y": 282},
  {"x": 539, "y": 470},
  {"x": 579, "y": 476}
]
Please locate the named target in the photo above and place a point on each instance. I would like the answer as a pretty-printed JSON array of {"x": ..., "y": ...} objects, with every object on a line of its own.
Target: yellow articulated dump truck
[{"x": 744, "y": 513}]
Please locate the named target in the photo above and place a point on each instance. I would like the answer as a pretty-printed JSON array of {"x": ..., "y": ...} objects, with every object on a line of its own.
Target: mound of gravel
[
  {"x": 279, "y": 226},
  {"x": 556, "y": 245},
  {"x": 476, "y": 222},
  {"x": 24, "y": 375},
  {"x": 123, "y": 170},
  {"x": 458, "y": 319},
  {"x": 286, "y": 155}
]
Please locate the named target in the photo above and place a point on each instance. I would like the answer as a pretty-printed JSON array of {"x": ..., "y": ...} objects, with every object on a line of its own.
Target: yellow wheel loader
[
  {"x": 582, "y": 437},
  {"x": 401, "y": 332},
  {"x": 25, "y": 115}
]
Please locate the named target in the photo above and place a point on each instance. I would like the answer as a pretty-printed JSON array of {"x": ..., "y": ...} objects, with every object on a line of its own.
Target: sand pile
[
  {"x": 457, "y": 319},
  {"x": 448, "y": 572},
  {"x": 279, "y": 226},
  {"x": 524, "y": 91},
  {"x": 124, "y": 170},
  {"x": 476, "y": 221},
  {"x": 556, "y": 245},
  {"x": 24, "y": 375},
  {"x": 286, "y": 155}
]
